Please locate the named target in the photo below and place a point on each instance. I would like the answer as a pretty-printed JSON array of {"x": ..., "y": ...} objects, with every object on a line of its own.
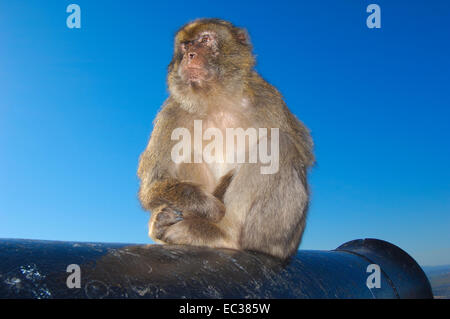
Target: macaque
[{"x": 234, "y": 199}]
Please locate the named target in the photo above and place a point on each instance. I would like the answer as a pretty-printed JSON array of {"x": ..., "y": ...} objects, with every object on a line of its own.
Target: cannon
[{"x": 363, "y": 268}]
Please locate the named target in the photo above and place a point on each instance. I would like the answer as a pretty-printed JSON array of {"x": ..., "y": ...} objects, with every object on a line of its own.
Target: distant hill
[{"x": 439, "y": 277}]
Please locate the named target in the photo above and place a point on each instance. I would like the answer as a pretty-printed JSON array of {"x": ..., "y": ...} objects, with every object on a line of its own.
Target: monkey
[{"x": 225, "y": 204}]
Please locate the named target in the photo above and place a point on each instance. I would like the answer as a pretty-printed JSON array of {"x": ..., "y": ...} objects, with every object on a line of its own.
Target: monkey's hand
[{"x": 190, "y": 199}]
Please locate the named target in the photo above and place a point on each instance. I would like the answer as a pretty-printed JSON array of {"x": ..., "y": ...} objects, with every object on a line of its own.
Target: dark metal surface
[{"x": 37, "y": 269}]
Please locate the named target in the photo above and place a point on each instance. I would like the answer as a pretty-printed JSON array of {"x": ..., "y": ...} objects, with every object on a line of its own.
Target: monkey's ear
[{"x": 243, "y": 37}]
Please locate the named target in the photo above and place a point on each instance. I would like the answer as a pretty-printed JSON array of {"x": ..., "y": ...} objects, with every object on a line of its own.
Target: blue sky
[{"x": 76, "y": 108}]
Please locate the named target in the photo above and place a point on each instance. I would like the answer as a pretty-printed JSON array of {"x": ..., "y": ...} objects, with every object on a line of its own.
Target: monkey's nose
[{"x": 192, "y": 55}]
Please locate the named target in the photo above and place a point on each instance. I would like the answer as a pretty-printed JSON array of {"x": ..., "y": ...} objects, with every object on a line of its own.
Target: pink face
[{"x": 198, "y": 53}]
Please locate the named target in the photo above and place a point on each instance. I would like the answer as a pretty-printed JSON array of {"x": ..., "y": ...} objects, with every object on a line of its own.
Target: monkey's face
[
  {"x": 199, "y": 59},
  {"x": 209, "y": 55}
]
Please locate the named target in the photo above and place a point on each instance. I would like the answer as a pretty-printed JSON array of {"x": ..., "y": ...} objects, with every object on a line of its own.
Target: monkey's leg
[{"x": 269, "y": 208}]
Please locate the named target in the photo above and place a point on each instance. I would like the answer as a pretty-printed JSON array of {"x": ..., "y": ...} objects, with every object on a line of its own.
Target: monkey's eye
[{"x": 204, "y": 39}]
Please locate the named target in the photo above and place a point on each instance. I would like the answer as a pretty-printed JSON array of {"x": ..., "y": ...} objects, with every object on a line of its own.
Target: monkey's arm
[
  {"x": 157, "y": 171},
  {"x": 186, "y": 197},
  {"x": 193, "y": 230}
]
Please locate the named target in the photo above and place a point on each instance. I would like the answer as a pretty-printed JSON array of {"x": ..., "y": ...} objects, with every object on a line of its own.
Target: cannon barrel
[{"x": 41, "y": 269}]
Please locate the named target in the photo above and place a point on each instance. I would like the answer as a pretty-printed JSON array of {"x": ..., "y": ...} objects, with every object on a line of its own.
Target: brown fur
[{"x": 233, "y": 206}]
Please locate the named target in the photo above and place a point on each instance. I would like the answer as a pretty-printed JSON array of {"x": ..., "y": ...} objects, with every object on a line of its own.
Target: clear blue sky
[{"x": 76, "y": 108}]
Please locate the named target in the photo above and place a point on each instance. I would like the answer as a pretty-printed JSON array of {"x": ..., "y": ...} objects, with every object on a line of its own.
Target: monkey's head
[{"x": 211, "y": 57}]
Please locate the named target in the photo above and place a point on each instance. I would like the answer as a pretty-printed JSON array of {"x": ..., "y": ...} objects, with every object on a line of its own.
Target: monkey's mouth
[{"x": 195, "y": 74}]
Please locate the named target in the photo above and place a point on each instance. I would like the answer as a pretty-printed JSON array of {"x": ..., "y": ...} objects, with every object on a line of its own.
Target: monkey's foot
[
  {"x": 161, "y": 220},
  {"x": 195, "y": 231}
]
